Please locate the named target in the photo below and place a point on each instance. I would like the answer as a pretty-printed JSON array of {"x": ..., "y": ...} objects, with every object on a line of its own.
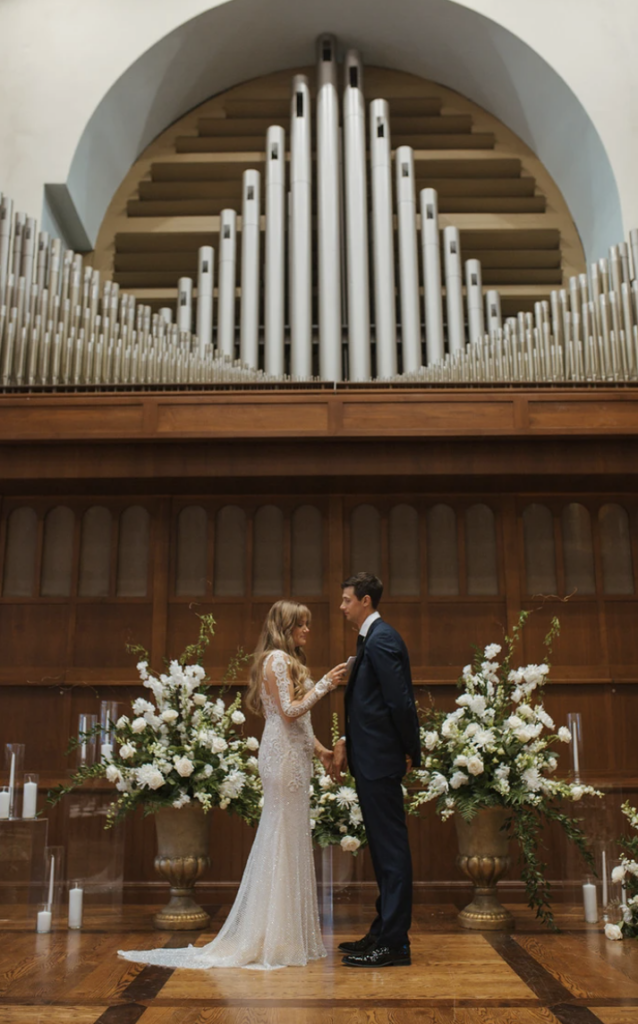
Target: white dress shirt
[{"x": 365, "y": 626}]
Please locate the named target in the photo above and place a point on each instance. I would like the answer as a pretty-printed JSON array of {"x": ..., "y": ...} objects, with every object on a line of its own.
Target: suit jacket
[{"x": 382, "y": 725}]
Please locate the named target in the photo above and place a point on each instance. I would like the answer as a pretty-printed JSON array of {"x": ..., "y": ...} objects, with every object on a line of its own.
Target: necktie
[{"x": 360, "y": 640}]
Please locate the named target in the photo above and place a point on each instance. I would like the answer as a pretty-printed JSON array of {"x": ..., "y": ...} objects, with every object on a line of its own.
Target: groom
[{"x": 380, "y": 745}]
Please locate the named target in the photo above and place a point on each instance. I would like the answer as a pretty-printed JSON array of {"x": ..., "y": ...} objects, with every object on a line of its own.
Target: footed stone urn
[
  {"x": 484, "y": 857},
  {"x": 182, "y": 856}
]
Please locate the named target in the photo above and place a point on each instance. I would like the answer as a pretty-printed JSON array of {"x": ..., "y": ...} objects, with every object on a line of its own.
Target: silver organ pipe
[
  {"x": 383, "y": 240},
  {"x": 205, "y": 284},
  {"x": 493, "y": 312},
  {"x": 227, "y": 275},
  {"x": 249, "y": 316},
  {"x": 300, "y": 231},
  {"x": 356, "y": 216},
  {"x": 275, "y": 269},
  {"x": 408, "y": 259},
  {"x": 431, "y": 249},
  {"x": 185, "y": 304},
  {"x": 329, "y": 240},
  {"x": 6, "y": 216},
  {"x": 454, "y": 290},
  {"x": 474, "y": 292}
]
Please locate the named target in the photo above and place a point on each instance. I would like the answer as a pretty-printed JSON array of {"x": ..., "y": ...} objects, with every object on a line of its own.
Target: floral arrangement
[
  {"x": 335, "y": 814},
  {"x": 182, "y": 746},
  {"x": 497, "y": 749},
  {"x": 626, "y": 874}
]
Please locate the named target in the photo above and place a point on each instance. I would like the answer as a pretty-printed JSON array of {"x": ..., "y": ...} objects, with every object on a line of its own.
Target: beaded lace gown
[{"x": 274, "y": 920}]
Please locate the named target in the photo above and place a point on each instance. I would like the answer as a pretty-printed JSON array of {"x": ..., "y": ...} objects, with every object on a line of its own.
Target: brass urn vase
[
  {"x": 484, "y": 857},
  {"x": 182, "y": 856}
]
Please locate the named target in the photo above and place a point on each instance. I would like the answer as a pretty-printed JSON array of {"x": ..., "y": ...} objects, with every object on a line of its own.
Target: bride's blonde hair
[{"x": 276, "y": 634}]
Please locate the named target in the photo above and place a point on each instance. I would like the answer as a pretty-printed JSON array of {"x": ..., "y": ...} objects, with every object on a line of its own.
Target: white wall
[{"x": 85, "y": 86}]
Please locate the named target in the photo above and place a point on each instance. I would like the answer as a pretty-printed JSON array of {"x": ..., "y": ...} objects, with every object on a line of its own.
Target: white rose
[
  {"x": 576, "y": 792},
  {"x": 325, "y": 782},
  {"x": 238, "y": 718},
  {"x": 252, "y": 743},
  {"x": 613, "y": 931},
  {"x": 458, "y": 779},
  {"x": 199, "y": 699},
  {"x": 618, "y": 873},
  {"x": 122, "y": 721},
  {"x": 113, "y": 774},
  {"x": 513, "y": 722},
  {"x": 475, "y": 765},
  {"x": 431, "y": 740},
  {"x": 170, "y": 716},
  {"x": 183, "y": 766},
  {"x": 218, "y": 744},
  {"x": 138, "y": 724},
  {"x": 460, "y": 761},
  {"x": 127, "y": 750},
  {"x": 350, "y": 844},
  {"x": 564, "y": 734}
]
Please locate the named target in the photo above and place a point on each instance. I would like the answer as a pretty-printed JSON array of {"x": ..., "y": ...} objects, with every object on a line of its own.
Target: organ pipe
[
  {"x": 249, "y": 315},
  {"x": 275, "y": 251},
  {"x": 329, "y": 243},
  {"x": 356, "y": 215},
  {"x": 474, "y": 291},
  {"x": 431, "y": 251},
  {"x": 226, "y": 283},
  {"x": 454, "y": 289},
  {"x": 185, "y": 304},
  {"x": 300, "y": 231},
  {"x": 205, "y": 283},
  {"x": 408, "y": 259},
  {"x": 382, "y": 240}
]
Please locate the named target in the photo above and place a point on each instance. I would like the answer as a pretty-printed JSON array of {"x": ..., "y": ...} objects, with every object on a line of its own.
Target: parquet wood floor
[{"x": 530, "y": 977}]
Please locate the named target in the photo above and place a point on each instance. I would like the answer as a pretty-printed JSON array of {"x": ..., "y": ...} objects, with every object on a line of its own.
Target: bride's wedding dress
[{"x": 274, "y": 920}]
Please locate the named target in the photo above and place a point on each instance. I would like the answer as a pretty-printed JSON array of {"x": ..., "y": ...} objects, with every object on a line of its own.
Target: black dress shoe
[
  {"x": 363, "y": 945},
  {"x": 380, "y": 956}
]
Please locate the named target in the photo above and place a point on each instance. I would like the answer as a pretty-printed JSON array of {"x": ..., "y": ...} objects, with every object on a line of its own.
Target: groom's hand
[
  {"x": 339, "y": 760},
  {"x": 408, "y": 764}
]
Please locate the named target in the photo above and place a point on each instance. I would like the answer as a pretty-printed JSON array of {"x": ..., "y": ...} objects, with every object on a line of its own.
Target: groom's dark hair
[{"x": 365, "y": 583}]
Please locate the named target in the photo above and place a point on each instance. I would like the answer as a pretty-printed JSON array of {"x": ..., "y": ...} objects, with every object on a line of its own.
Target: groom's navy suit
[{"x": 381, "y": 728}]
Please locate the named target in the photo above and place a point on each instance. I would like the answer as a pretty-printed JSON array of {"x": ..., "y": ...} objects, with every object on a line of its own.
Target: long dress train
[{"x": 274, "y": 920}]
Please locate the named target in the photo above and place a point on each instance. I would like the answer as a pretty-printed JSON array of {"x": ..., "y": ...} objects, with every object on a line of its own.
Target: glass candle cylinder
[
  {"x": 30, "y": 795},
  {"x": 44, "y": 919},
  {"x": 87, "y": 740},
  {"x": 14, "y": 770},
  {"x": 575, "y": 726},
  {"x": 108, "y": 717},
  {"x": 53, "y": 876}
]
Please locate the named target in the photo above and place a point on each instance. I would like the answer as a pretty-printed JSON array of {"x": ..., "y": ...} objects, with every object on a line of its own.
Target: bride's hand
[
  {"x": 337, "y": 674},
  {"x": 326, "y": 758}
]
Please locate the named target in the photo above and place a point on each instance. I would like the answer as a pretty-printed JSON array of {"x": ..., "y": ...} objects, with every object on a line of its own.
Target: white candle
[
  {"x": 590, "y": 902},
  {"x": 5, "y": 798},
  {"x": 604, "y": 873},
  {"x": 12, "y": 776},
  {"x": 51, "y": 881},
  {"x": 107, "y": 751},
  {"x": 575, "y": 746},
  {"x": 29, "y": 799},
  {"x": 75, "y": 907},
  {"x": 44, "y": 922}
]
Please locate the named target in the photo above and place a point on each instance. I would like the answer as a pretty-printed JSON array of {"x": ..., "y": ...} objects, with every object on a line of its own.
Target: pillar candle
[
  {"x": 590, "y": 902},
  {"x": 29, "y": 799},
  {"x": 106, "y": 751},
  {"x": 5, "y": 798},
  {"x": 44, "y": 922},
  {"x": 76, "y": 896}
]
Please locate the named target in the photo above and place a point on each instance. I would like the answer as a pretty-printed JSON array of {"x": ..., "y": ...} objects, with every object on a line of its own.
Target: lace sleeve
[{"x": 288, "y": 706}]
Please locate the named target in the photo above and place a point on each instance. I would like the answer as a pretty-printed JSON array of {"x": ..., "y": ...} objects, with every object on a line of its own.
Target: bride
[{"x": 274, "y": 920}]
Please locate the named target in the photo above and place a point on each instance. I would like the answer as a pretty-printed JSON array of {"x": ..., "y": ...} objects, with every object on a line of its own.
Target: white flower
[
  {"x": 513, "y": 722},
  {"x": 312, "y": 823},
  {"x": 564, "y": 734},
  {"x": 181, "y": 800},
  {"x": 124, "y": 786},
  {"x": 224, "y": 804},
  {"x": 140, "y": 706},
  {"x": 343, "y": 828},
  {"x": 350, "y": 844},
  {"x": 431, "y": 740},
  {"x": 467, "y": 671},
  {"x": 149, "y": 775},
  {"x": 458, "y": 779},
  {"x": 492, "y": 650},
  {"x": 526, "y": 733},
  {"x": 170, "y": 715},
  {"x": 122, "y": 721},
  {"x": 218, "y": 744},
  {"x": 142, "y": 668},
  {"x": 232, "y": 786},
  {"x": 546, "y": 719},
  {"x": 475, "y": 765},
  {"x": 199, "y": 699},
  {"x": 460, "y": 761},
  {"x": 576, "y": 792},
  {"x": 238, "y": 718},
  {"x": 526, "y": 712},
  {"x": 502, "y": 771},
  {"x": 127, "y": 750},
  {"x": 138, "y": 724},
  {"x": 252, "y": 743},
  {"x": 356, "y": 817},
  {"x": 113, "y": 774},
  {"x": 532, "y": 779},
  {"x": 438, "y": 784},
  {"x": 346, "y": 796},
  {"x": 517, "y": 694},
  {"x": 618, "y": 873},
  {"x": 325, "y": 782},
  {"x": 183, "y": 766},
  {"x": 485, "y": 738},
  {"x": 613, "y": 931},
  {"x": 472, "y": 730}
]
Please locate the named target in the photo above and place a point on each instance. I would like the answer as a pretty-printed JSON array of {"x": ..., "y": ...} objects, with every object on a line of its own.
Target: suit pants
[{"x": 381, "y": 803}]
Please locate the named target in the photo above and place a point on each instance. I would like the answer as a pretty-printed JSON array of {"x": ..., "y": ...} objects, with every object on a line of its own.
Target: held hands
[{"x": 339, "y": 760}]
